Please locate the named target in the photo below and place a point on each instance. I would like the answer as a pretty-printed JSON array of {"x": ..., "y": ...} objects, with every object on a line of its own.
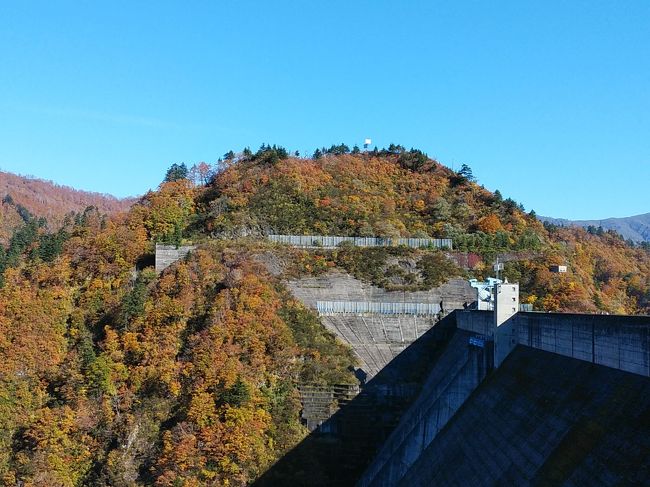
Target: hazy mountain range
[{"x": 635, "y": 228}]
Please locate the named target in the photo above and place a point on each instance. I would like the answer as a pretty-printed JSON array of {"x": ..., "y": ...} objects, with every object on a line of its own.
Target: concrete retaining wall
[
  {"x": 377, "y": 338},
  {"x": 339, "y": 286},
  {"x": 166, "y": 255}
]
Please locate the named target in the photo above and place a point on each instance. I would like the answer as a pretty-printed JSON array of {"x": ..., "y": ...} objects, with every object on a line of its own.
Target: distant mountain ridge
[
  {"x": 47, "y": 199},
  {"x": 636, "y": 228},
  {"x": 52, "y": 201}
]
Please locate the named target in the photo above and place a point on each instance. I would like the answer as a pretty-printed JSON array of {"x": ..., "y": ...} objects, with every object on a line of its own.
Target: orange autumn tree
[{"x": 489, "y": 224}]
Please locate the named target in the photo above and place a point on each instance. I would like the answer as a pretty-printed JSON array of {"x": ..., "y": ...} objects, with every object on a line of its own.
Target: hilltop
[
  {"x": 399, "y": 192},
  {"x": 116, "y": 375}
]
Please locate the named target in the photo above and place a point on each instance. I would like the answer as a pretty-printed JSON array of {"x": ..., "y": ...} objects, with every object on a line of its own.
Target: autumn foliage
[{"x": 113, "y": 375}]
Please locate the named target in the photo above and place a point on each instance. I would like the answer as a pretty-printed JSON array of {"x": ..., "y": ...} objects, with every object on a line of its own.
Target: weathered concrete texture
[
  {"x": 338, "y": 286},
  {"x": 166, "y": 255},
  {"x": 544, "y": 419},
  {"x": 478, "y": 322},
  {"x": 621, "y": 342},
  {"x": 377, "y": 339},
  {"x": 457, "y": 373}
]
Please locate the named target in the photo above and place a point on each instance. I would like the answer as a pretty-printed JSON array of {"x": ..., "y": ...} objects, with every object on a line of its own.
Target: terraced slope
[{"x": 377, "y": 339}]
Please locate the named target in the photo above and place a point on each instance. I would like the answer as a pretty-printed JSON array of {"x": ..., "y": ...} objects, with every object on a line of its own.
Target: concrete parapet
[
  {"x": 478, "y": 322},
  {"x": 620, "y": 342}
]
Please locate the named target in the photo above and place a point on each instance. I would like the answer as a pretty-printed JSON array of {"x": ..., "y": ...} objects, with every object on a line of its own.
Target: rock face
[{"x": 378, "y": 339}]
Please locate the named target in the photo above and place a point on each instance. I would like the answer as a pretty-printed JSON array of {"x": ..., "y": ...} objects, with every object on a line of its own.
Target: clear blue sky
[{"x": 548, "y": 101}]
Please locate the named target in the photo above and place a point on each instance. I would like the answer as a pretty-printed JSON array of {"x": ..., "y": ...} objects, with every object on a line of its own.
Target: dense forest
[{"x": 113, "y": 375}]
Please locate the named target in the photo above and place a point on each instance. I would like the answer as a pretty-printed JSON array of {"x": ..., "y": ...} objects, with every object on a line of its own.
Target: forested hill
[
  {"x": 398, "y": 192},
  {"x": 48, "y": 200},
  {"x": 113, "y": 375}
]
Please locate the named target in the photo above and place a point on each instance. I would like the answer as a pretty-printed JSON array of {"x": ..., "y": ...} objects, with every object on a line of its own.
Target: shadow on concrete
[{"x": 337, "y": 453}]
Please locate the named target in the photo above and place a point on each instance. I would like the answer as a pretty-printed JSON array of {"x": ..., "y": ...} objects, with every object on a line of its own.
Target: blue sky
[{"x": 548, "y": 101}]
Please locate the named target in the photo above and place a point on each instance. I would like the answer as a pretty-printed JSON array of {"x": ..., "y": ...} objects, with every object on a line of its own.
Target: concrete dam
[
  {"x": 456, "y": 397},
  {"x": 541, "y": 399}
]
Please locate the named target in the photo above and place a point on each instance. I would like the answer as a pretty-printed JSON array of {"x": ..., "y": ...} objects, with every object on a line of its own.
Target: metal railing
[
  {"x": 358, "y": 307},
  {"x": 330, "y": 242}
]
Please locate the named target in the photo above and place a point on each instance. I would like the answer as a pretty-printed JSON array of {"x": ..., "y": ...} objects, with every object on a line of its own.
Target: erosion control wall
[
  {"x": 378, "y": 324},
  {"x": 330, "y": 242},
  {"x": 166, "y": 255}
]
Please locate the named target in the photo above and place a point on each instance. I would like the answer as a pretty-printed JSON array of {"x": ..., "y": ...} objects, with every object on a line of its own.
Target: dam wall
[
  {"x": 620, "y": 342},
  {"x": 458, "y": 372},
  {"x": 612, "y": 342},
  {"x": 544, "y": 419}
]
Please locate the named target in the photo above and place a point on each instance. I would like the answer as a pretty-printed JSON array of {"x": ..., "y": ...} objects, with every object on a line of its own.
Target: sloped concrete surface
[
  {"x": 377, "y": 339},
  {"x": 544, "y": 419},
  {"x": 457, "y": 373}
]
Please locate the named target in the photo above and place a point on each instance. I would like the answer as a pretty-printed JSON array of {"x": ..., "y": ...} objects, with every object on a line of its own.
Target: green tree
[
  {"x": 466, "y": 173},
  {"x": 176, "y": 172}
]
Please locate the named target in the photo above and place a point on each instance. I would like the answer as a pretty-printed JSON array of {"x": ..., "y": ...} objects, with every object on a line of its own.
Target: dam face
[{"x": 569, "y": 405}]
